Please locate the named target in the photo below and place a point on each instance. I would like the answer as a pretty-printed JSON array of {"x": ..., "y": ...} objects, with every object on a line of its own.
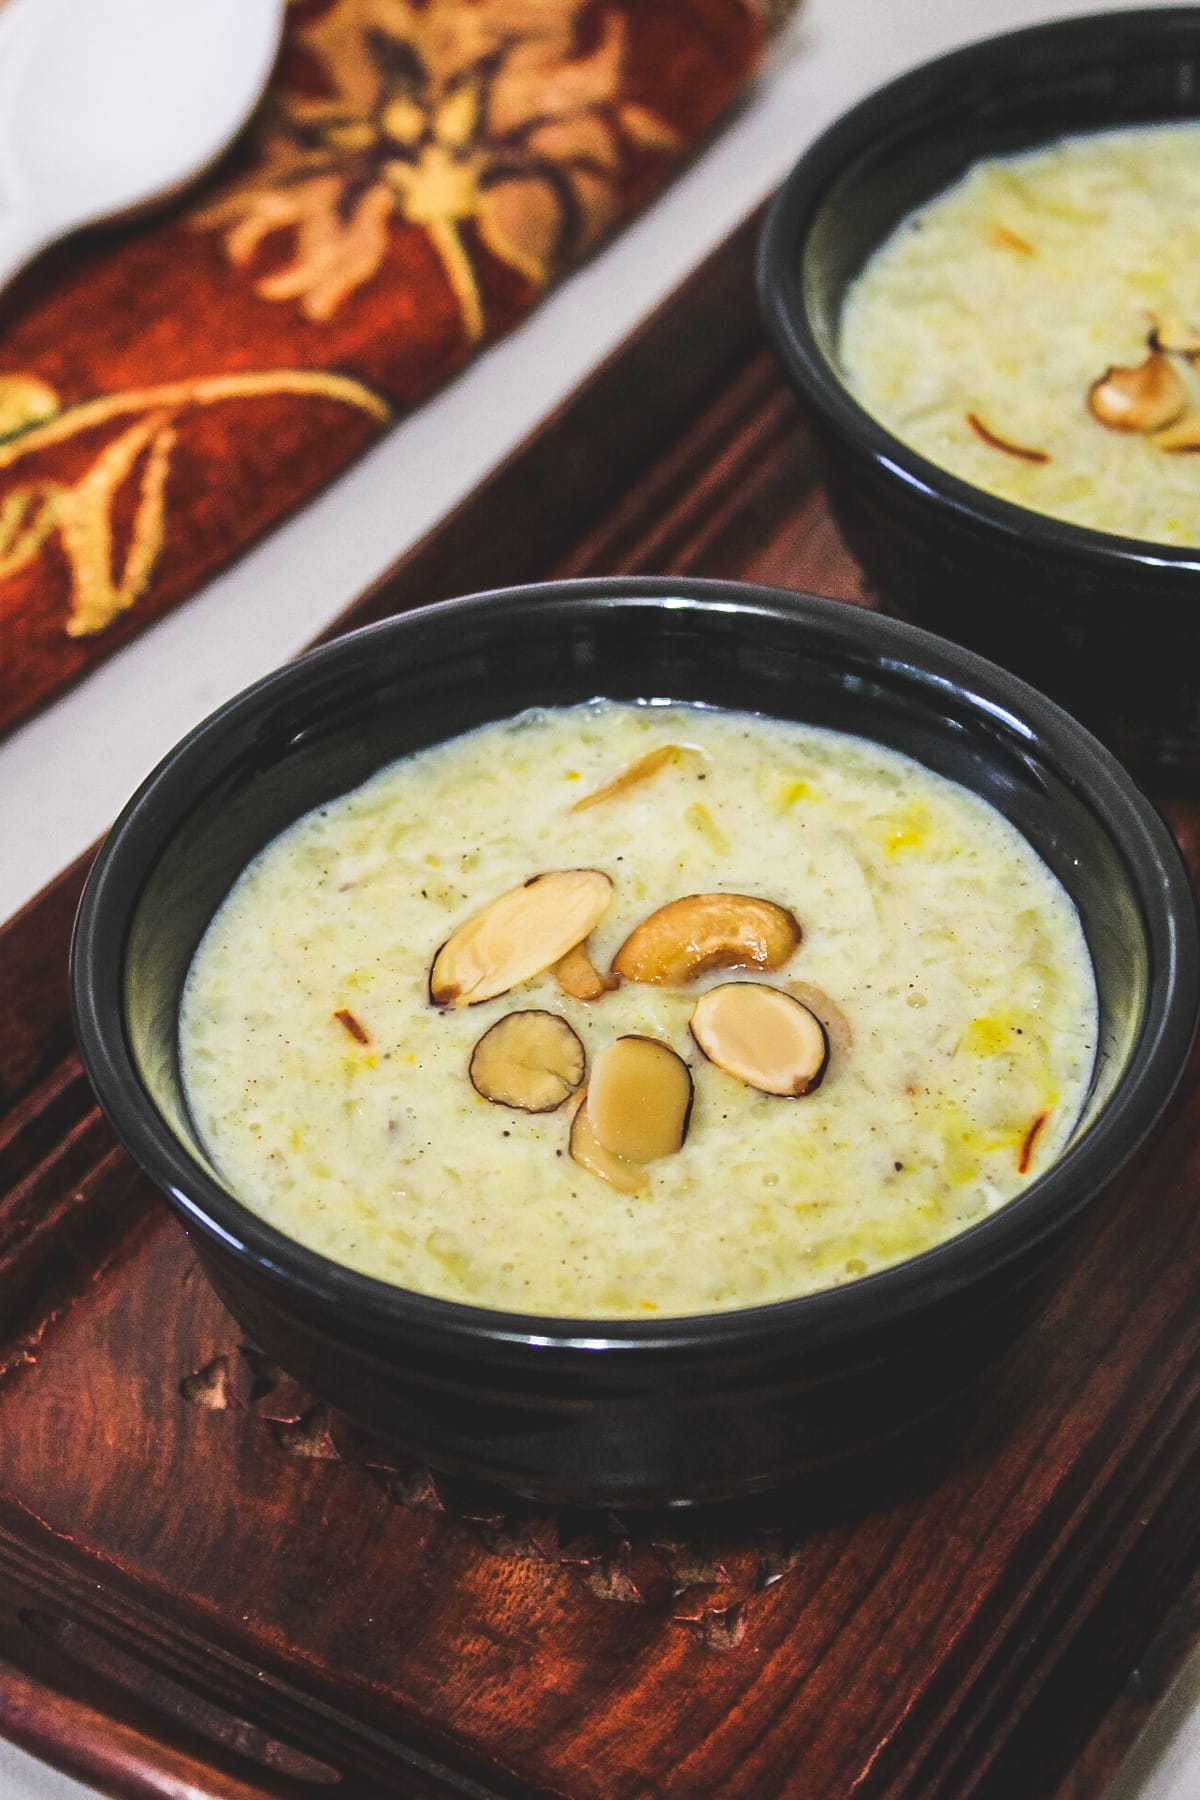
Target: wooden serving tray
[{"x": 211, "y": 1587}]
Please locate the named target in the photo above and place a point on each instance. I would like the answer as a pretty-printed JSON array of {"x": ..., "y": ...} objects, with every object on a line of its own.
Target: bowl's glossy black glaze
[
  {"x": 671, "y": 1409},
  {"x": 1108, "y": 625}
]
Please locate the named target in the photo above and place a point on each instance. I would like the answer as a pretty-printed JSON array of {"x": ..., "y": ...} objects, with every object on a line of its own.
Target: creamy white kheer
[
  {"x": 1034, "y": 330},
  {"x": 938, "y": 961}
]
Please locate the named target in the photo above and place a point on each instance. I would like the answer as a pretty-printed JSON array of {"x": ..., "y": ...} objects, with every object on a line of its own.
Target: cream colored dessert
[
  {"x": 915, "y": 1048},
  {"x": 1034, "y": 328}
]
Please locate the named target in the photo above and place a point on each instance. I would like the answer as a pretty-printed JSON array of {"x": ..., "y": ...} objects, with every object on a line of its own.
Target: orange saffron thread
[
  {"x": 346, "y": 1017},
  {"x": 1012, "y": 240},
  {"x": 1028, "y": 1142}
]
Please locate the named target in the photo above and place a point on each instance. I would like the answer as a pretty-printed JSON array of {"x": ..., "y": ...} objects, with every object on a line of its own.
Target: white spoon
[{"x": 107, "y": 105}]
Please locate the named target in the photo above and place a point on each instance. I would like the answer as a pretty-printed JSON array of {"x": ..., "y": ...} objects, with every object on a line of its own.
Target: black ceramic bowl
[
  {"x": 645, "y": 1411},
  {"x": 1108, "y": 625}
]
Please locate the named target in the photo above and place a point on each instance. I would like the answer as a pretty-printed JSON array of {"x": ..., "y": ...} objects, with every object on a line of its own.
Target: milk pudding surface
[
  {"x": 1035, "y": 331},
  {"x": 618, "y": 1011}
]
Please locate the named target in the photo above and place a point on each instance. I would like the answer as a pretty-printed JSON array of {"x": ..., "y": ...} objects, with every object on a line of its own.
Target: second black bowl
[
  {"x": 1109, "y": 625},
  {"x": 589, "y": 1409}
]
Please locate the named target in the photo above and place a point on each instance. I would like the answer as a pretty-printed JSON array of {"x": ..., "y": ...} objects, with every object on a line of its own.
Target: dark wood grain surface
[{"x": 210, "y": 1586}]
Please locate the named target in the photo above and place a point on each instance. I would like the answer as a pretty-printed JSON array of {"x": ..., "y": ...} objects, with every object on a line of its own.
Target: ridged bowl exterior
[{"x": 630, "y": 1411}]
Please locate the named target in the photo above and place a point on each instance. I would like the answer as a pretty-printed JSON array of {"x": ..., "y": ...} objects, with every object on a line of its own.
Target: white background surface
[
  {"x": 85, "y": 90},
  {"x": 65, "y": 775}
]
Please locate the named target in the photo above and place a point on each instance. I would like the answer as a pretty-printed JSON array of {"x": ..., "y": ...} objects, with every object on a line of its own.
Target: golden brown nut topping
[
  {"x": 523, "y": 932},
  {"x": 762, "y": 1037},
  {"x": 1144, "y": 398},
  {"x": 995, "y": 442},
  {"x": 639, "y": 1099},
  {"x": 578, "y": 976},
  {"x": 587, "y": 1150},
  {"x": 531, "y": 1060},
  {"x": 708, "y": 931}
]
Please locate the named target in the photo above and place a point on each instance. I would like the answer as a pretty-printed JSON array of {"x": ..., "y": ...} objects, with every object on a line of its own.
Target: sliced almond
[
  {"x": 531, "y": 1060},
  {"x": 587, "y": 1150},
  {"x": 638, "y": 771},
  {"x": 1184, "y": 435},
  {"x": 708, "y": 931},
  {"x": 1144, "y": 398},
  {"x": 523, "y": 932},
  {"x": 1023, "y": 452},
  {"x": 762, "y": 1037},
  {"x": 1175, "y": 337},
  {"x": 639, "y": 1099},
  {"x": 579, "y": 977}
]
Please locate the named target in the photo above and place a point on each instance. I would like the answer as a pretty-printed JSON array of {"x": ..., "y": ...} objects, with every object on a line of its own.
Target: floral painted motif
[
  {"x": 418, "y": 174},
  {"x": 81, "y": 512},
  {"x": 493, "y": 125}
]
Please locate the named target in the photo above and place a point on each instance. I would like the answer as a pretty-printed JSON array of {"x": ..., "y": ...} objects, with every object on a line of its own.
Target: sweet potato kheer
[
  {"x": 1035, "y": 330},
  {"x": 612, "y": 1011}
]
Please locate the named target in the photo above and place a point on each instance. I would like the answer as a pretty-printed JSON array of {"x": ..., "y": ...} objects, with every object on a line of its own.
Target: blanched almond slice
[
  {"x": 531, "y": 1060},
  {"x": 639, "y": 1099},
  {"x": 587, "y": 1150},
  {"x": 1139, "y": 399},
  {"x": 1183, "y": 435},
  {"x": 517, "y": 936},
  {"x": 578, "y": 976},
  {"x": 708, "y": 931},
  {"x": 762, "y": 1037},
  {"x": 638, "y": 771}
]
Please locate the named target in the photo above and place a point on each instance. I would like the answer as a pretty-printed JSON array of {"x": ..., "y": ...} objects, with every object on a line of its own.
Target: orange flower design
[
  {"x": 456, "y": 112},
  {"x": 104, "y": 585}
]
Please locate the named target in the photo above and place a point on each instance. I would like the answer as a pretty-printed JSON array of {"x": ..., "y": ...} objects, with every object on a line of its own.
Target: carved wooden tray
[{"x": 210, "y": 1587}]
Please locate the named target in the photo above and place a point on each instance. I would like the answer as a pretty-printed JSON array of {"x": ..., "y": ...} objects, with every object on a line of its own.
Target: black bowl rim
[
  {"x": 781, "y": 253},
  {"x": 130, "y": 852}
]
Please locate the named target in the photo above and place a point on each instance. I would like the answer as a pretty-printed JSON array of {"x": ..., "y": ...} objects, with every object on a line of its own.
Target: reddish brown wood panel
[{"x": 205, "y": 1578}]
